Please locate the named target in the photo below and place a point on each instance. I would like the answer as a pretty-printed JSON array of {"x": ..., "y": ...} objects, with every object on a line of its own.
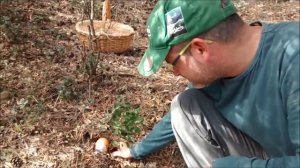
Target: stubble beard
[{"x": 206, "y": 76}]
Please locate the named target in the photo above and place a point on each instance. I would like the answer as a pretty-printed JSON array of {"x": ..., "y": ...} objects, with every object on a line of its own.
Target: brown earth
[{"x": 46, "y": 121}]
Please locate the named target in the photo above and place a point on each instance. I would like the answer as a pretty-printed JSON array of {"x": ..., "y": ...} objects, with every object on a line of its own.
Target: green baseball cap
[{"x": 175, "y": 21}]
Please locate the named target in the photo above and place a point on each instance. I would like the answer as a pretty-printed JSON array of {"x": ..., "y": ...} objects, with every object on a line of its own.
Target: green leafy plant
[
  {"x": 66, "y": 90},
  {"x": 125, "y": 120},
  {"x": 31, "y": 109},
  {"x": 55, "y": 52},
  {"x": 90, "y": 66}
]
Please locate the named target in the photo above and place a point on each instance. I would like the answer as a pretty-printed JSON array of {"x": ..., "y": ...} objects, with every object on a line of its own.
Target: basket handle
[{"x": 106, "y": 10}]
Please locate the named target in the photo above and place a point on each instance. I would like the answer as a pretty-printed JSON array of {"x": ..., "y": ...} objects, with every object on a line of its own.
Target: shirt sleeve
[{"x": 158, "y": 138}]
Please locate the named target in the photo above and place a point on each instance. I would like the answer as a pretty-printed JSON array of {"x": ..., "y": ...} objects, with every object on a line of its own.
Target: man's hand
[{"x": 123, "y": 152}]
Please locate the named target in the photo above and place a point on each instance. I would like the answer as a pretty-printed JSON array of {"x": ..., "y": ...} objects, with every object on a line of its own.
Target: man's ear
[{"x": 200, "y": 50}]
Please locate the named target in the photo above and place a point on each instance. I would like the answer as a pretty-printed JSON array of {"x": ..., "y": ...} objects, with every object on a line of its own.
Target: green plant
[
  {"x": 90, "y": 65},
  {"x": 55, "y": 52},
  {"x": 31, "y": 109},
  {"x": 11, "y": 31},
  {"x": 125, "y": 120},
  {"x": 66, "y": 90}
]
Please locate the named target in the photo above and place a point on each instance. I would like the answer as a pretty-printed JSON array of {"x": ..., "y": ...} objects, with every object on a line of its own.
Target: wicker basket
[{"x": 110, "y": 36}]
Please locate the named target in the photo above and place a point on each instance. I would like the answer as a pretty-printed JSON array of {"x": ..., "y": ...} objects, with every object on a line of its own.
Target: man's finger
[{"x": 117, "y": 154}]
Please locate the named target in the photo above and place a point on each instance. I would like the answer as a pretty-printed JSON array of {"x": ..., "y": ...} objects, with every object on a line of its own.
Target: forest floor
[{"x": 52, "y": 111}]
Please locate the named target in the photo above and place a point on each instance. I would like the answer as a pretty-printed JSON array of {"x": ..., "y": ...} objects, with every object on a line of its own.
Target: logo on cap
[
  {"x": 148, "y": 31},
  {"x": 148, "y": 63},
  {"x": 175, "y": 22}
]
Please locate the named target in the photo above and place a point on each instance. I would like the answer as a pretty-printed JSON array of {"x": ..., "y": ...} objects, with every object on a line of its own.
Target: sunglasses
[{"x": 181, "y": 52}]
